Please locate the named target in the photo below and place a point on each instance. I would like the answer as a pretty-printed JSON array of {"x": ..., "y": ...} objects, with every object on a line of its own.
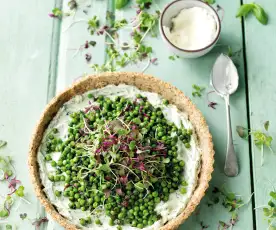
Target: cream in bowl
[{"x": 190, "y": 27}]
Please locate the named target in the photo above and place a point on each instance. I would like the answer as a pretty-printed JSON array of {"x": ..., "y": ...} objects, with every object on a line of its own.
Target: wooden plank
[
  {"x": 261, "y": 54},
  {"x": 181, "y": 73},
  {"x": 24, "y": 43},
  {"x": 73, "y": 35}
]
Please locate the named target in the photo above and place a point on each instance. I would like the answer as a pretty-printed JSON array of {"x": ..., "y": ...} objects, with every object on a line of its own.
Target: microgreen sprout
[
  {"x": 197, "y": 90},
  {"x": 261, "y": 139},
  {"x": 173, "y": 57},
  {"x": 270, "y": 210},
  {"x": 56, "y": 13},
  {"x": 119, "y": 159},
  {"x": 230, "y": 201},
  {"x": 142, "y": 4},
  {"x": 93, "y": 24}
]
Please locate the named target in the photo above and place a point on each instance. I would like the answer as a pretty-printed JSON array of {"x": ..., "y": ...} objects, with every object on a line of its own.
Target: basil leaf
[
  {"x": 260, "y": 14},
  {"x": 244, "y": 10}
]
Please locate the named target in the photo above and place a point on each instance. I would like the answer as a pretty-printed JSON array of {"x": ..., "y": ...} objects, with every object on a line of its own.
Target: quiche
[{"x": 121, "y": 151}]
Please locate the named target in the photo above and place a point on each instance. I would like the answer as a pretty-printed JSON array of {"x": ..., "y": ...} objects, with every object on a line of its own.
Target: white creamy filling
[
  {"x": 193, "y": 28},
  {"x": 168, "y": 210}
]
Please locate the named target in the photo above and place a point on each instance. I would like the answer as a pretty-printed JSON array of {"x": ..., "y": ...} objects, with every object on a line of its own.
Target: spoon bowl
[{"x": 224, "y": 76}]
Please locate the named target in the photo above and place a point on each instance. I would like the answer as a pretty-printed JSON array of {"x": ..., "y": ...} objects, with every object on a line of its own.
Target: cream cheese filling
[{"x": 168, "y": 210}]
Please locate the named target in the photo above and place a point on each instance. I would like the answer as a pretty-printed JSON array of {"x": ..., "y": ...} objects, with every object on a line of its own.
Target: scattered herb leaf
[
  {"x": 93, "y": 24},
  {"x": 266, "y": 125},
  {"x": 56, "y": 13},
  {"x": 142, "y": 4},
  {"x": 23, "y": 216},
  {"x": 261, "y": 139},
  {"x": 242, "y": 132},
  {"x": 120, "y": 24},
  {"x": 270, "y": 210},
  {"x": 8, "y": 227},
  {"x": 73, "y": 4},
  {"x": 210, "y": 2},
  {"x": 119, "y": 4},
  {"x": 20, "y": 191},
  {"x": 197, "y": 90},
  {"x": 254, "y": 8},
  {"x": 2, "y": 143},
  {"x": 92, "y": 43}
]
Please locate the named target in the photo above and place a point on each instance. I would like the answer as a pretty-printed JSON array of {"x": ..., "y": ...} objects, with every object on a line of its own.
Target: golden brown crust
[{"x": 145, "y": 83}]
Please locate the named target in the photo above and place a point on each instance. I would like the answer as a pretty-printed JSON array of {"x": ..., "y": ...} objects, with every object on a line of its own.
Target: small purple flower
[{"x": 51, "y": 15}]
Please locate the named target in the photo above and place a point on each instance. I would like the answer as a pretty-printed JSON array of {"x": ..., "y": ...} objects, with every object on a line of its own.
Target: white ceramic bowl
[{"x": 172, "y": 10}]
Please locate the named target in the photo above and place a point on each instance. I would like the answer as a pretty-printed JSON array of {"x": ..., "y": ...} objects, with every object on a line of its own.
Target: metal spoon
[{"x": 225, "y": 80}]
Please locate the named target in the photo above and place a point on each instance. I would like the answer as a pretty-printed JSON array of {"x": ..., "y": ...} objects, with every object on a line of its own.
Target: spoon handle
[{"x": 231, "y": 168}]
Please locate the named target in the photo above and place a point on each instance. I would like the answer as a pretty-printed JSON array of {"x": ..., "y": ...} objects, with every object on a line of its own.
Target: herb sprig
[
  {"x": 261, "y": 139},
  {"x": 197, "y": 90},
  {"x": 230, "y": 201},
  {"x": 254, "y": 8},
  {"x": 270, "y": 210}
]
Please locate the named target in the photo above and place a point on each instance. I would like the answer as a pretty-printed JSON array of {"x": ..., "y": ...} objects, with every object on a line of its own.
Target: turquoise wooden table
[{"x": 39, "y": 57}]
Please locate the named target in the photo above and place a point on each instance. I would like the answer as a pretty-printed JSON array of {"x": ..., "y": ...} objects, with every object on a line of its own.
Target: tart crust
[{"x": 143, "y": 82}]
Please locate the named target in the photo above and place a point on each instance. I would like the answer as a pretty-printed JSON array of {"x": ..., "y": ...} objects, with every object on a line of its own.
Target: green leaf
[
  {"x": 273, "y": 195},
  {"x": 266, "y": 211},
  {"x": 231, "y": 196},
  {"x": 20, "y": 191},
  {"x": 266, "y": 125},
  {"x": 140, "y": 186},
  {"x": 4, "y": 213},
  {"x": 260, "y": 14},
  {"x": 119, "y": 4},
  {"x": 271, "y": 204},
  {"x": 132, "y": 145},
  {"x": 92, "y": 43},
  {"x": 244, "y": 10},
  {"x": 166, "y": 160},
  {"x": 104, "y": 168},
  {"x": 120, "y": 24},
  {"x": 8, "y": 227},
  {"x": 242, "y": 132},
  {"x": 136, "y": 120},
  {"x": 210, "y": 2},
  {"x": 172, "y": 58},
  {"x": 229, "y": 52},
  {"x": 57, "y": 12},
  {"x": 2, "y": 143},
  {"x": 122, "y": 132}
]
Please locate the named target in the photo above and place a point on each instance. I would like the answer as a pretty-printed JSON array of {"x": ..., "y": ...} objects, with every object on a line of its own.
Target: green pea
[
  {"x": 53, "y": 163},
  {"x": 187, "y": 145},
  {"x": 57, "y": 193},
  {"x": 183, "y": 190},
  {"x": 98, "y": 222},
  {"x": 82, "y": 222}
]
